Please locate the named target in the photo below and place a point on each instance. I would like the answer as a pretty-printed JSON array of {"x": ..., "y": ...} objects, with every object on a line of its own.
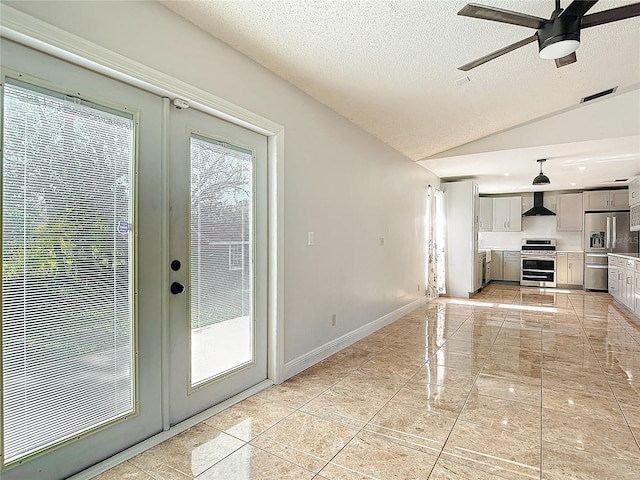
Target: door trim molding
[{"x": 34, "y": 33}]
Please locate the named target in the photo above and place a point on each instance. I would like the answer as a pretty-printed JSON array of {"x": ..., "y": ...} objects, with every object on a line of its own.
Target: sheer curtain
[{"x": 435, "y": 241}]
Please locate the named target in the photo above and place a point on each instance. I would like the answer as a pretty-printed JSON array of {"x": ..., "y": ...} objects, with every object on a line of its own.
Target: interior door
[
  {"x": 80, "y": 296},
  {"x": 218, "y": 250}
]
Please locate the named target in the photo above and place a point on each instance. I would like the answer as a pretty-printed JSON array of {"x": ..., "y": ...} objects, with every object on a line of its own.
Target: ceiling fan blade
[
  {"x": 498, "y": 53},
  {"x": 578, "y": 8},
  {"x": 568, "y": 60},
  {"x": 612, "y": 15},
  {"x": 498, "y": 15}
]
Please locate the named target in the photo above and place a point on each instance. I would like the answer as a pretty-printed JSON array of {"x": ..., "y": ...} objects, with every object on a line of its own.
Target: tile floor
[{"x": 516, "y": 383}]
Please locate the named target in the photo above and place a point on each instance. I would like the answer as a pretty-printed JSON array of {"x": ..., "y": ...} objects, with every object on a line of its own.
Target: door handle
[
  {"x": 608, "y": 232},
  {"x": 614, "y": 232},
  {"x": 176, "y": 288}
]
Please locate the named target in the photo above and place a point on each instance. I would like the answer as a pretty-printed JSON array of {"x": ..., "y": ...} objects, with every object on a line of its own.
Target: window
[
  {"x": 67, "y": 269},
  {"x": 235, "y": 257}
]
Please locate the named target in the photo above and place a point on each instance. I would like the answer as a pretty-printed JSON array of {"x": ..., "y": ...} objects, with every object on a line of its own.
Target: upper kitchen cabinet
[
  {"x": 605, "y": 200},
  {"x": 507, "y": 214},
  {"x": 569, "y": 213},
  {"x": 486, "y": 214}
]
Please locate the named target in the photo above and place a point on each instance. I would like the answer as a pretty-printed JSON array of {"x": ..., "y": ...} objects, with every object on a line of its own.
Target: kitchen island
[{"x": 624, "y": 280}]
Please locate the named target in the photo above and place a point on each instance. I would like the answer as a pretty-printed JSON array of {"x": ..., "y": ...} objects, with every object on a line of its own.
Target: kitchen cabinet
[
  {"x": 575, "y": 269},
  {"x": 461, "y": 212},
  {"x": 485, "y": 216},
  {"x": 636, "y": 289},
  {"x": 569, "y": 212},
  {"x": 562, "y": 260},
  {"x": 605, "y": 200},
  {"x": 570, "y": 268},
  {"x": 511, "y": 266},
  {"x": 634, "y": 191},
  {"x": 624, "y": 282},
  {"x": 613, "y": 273},
  {"x": 507, "y": 214},
  {"x": 496, "y": 264}
]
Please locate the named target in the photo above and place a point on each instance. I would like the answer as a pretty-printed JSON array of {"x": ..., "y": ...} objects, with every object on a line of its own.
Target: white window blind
[
  {"x": 67, "y": 271},
  {"x": 221, "y": 256}
]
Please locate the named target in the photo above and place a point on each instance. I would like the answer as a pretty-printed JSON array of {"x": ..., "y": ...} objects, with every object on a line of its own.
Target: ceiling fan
[{"x": 559, "y": 37}]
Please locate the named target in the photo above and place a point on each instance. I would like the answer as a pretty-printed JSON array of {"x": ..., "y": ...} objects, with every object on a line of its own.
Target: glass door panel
[
  {"x": 218, "y": 234},
  {"x": 80, "y": 331},
  {"x": 221, "y": 259}
]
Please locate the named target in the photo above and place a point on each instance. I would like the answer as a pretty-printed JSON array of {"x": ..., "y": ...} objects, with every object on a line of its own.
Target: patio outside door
[{"x": 218, "y": 254}]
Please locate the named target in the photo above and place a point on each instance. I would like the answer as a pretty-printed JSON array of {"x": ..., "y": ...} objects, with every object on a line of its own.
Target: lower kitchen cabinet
[
  {"x": 624, "y": 282},
  {"x": 511, "y": 266},
  {"x": 496, "y": 264},
  {"x": 570, "y": 268},
  {"x": 505, "y": 265}
]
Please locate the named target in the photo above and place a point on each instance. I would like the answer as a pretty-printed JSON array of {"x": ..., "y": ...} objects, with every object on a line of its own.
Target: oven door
[{"x": 538, "y": 271}]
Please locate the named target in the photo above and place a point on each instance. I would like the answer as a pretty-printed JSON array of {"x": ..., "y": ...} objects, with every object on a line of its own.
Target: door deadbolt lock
[{"x": 176, "y": 288}]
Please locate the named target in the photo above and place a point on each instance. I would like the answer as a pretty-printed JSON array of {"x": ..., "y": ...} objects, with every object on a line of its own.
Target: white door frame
[{"x": 34, "y": 33}]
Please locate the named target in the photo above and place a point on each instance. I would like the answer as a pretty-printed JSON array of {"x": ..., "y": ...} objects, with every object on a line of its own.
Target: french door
[
  {"x": 218, "y": 250},
  {"x": 83, "y": 255}
]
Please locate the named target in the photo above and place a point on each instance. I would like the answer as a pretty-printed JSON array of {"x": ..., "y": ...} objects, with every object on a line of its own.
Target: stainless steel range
[{"x": 538, "y": 263}]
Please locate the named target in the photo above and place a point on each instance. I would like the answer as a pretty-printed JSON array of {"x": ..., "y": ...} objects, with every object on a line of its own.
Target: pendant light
[{"x": 541, "y": 179}]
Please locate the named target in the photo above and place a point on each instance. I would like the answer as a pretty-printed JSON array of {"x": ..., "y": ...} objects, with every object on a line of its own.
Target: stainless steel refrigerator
[{"x": 605, "y": 232}]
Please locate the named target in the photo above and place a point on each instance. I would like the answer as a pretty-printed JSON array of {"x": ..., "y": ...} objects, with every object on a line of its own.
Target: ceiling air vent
[
  {"x": 620, "y": 180},
  {"x": 598, "y": 95}
]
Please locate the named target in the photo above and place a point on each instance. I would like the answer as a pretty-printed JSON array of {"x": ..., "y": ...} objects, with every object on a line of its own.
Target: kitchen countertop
[{"x": 631, "y": 256}]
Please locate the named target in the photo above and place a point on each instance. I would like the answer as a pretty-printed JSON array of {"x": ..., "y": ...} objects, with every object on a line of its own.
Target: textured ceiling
[{"x": 390, "y": 66}]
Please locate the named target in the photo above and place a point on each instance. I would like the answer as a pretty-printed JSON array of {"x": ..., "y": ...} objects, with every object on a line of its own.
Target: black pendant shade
[{"x": 541, "y": 179}]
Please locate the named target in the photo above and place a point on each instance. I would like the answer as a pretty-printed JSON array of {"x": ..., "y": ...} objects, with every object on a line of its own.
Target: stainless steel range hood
[{"x": 538, "y": 207}]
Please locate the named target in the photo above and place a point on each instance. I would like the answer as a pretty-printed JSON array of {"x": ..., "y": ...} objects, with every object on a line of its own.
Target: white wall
[{"x": 340, "y": 182}]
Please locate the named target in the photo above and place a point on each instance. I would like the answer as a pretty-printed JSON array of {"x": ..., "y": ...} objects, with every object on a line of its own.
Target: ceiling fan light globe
[{"x": 559, "y": 49}]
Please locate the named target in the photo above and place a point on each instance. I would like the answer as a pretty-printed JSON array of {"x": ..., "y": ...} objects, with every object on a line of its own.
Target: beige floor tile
[
  {"x": 467, "y": 362},
  {"x": 293, "y": 393},
  {"x": 504, "y": 454},
  {"x": 413, "y": 426},
  {"x": 631, "y": 414},
  {"x": 249, "y": 418},
  {"x": 344, "y": 406},
  {"x": 501, "y": 414},
  {"x": 390, "y": 366},
  {"x": 370, "y": 456},
  {"x": 577, "y": 380},
  {"x": 459, "y": 384},
  {"x": 568, "y": 463},
  {"x": 251, "y": 463},
  {"x": 381, "y": 386},
  {"x": 508, "y": 389},
  {"x": 601, "y": 406},
  {"x": 124, "y": 471},
  {"x": 442, "y": 375},
  {"x": 188, "y": 454},
  {"x": 583, "y": 433},
  {"x": 306, "y": 440},
  {"x": 447, "y": 470},
  {"x": 443, "y": 399}
]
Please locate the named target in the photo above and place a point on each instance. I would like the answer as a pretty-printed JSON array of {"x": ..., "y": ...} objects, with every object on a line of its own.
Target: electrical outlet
[
  {"x": 333, "y": 319},
  {"x": 311, "y": 239},
  {"x": 382, "y": 241}
]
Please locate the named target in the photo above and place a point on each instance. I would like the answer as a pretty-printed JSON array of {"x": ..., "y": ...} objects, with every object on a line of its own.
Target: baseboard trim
[
  {"x": 138, "y": 448},
  {"x": 318, "y": 354}
]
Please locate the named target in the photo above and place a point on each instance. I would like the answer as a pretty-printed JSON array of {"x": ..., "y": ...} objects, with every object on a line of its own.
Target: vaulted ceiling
[{"x": 391, "y": 68}]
